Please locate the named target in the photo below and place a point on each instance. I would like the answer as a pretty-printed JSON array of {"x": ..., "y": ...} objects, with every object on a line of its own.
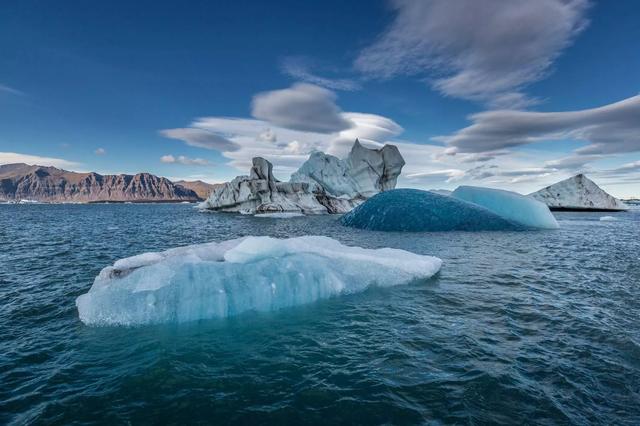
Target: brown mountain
[
  {"x": 203, "y": 189},
  {"x": 49, "y": 184}
]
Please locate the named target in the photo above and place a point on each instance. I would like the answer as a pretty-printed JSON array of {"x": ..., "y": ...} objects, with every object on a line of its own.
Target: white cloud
[
  {"x": 427, "y": 165},
  {"x": 181, "y": 159},
  {"x": 298, "y": 68},
  {"x": 480, "y": 50},
  {"x": 475, "y": 157},
  {"x": 578, "y": 163},
  {"x": 200, "y": 138},
  {"x": 438, "y": 175},
  {"x": 304, "y": 107},
  {"x": 293, "y": 146},
  {"x": 288, "y": 145},
  {"x": 613, "y": 128},
  {"x": 14, "y": 157},
  {"x": 372, "y": 129},
  {"x": 268, "y": 136},
  {"x": 100, "y": 151},
  {"x": 627, "y": 168}
]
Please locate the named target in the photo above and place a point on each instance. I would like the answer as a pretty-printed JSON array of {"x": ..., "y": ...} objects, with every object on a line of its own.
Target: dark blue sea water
[{"x": 518, "y": 328}]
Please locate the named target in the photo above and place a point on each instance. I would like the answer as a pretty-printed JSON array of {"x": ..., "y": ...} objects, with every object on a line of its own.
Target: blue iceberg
[
  {"x": 510, "y": 205},
  {"x": 414, "y": 210},
  {"x": 217, "y": 280}
]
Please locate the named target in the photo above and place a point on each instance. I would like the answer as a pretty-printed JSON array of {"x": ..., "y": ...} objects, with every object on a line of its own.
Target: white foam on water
[{"x": 279, "y": 215}]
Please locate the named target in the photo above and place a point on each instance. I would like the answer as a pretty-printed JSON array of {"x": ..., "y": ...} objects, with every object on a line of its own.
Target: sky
[{"x": 514, "y": 95}]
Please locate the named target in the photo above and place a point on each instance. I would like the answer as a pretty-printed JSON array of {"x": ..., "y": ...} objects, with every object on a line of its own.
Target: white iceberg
[
  {"x": 510, "y": 205},
  {"x": 578, "y": 193},
  {"x": 217, "y": 280},
  {"x": 323, "y": 184},
  {"x": 261, "y": 192},
  {"x": 364, "y": 173}
]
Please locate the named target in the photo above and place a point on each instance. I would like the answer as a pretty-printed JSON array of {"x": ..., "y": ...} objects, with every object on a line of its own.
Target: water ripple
[{"x": 518, "y": 328}]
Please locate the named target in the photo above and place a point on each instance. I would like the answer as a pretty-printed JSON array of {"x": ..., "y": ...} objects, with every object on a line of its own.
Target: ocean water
[{"x": 517, "y": 328}]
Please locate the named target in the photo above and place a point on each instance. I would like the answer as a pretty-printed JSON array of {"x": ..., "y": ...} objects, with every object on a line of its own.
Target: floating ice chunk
[
  {"x": 578, "y": 193},
  {"x": 364, "y": 172},
  {"x": 279, "y": 215},
  {"x": 217, "y": 280},
  {"x": 510, "y": 205},
  {"x": 415, "y": 211},
  {"x": 608, "y": 219}
]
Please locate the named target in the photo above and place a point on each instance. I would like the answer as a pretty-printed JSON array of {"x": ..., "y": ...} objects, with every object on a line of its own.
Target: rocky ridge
[
  {"x": 202, "y": 189},
  {"x": 52, "y": 185}
]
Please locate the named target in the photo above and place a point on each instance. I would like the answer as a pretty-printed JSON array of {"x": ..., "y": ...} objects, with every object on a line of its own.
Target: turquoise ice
[
  {"x": 414, "y": 210},
  {"x": 510, "y": 205},
  {"x": 217, "y": 280}
]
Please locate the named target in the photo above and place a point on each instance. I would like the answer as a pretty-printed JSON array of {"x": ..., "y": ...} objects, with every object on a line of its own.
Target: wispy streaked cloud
[
  {"x": 574, "y": 162},
  {"x": 427, "y": 165},
  {"x": 613, "y": 128},
  {"x": 304, "y": 107},
  {"x": 100, "y": 151},
  {"x": 10, "y": 90},
  {"x": 448, "y": 175},
  {"x": 479, "y": 50},
  {"x": 181, "y": 159},
  {"x": 14, "y": 157},
  {"x": 633, "y": 167},
  {"x": 200, "y": 138},
  {"x": 287, "y": 148},
  {"x": 299, "y": 69}
]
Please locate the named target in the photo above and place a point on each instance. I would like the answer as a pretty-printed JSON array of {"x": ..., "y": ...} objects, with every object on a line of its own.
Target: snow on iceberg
[
  {"x": 510, "y": 205},
  {"x": 217, "y": 280},
  {"x": 414, "y": 210},
  {"x": 578, "y": 193},
  {"x": 364, "y": 172}
]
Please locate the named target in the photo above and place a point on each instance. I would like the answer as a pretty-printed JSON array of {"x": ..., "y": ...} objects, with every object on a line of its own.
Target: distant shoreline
[
  {"x": 583, "y": 209},
  {"x": 101, "y": 202}
]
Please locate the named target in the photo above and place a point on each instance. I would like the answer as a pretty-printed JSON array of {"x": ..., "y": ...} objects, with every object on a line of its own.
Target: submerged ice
[
  {"x": 414, "y": 210},
  {"x": 217, "y": 280},
  {"x": 519, "y": 208}
]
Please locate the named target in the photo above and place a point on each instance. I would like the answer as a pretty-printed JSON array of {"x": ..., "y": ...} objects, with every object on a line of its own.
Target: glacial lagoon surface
[{"x": 520, "y": 327}]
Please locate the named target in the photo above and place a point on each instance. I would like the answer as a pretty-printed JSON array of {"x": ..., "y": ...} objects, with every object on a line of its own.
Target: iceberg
[
  {"x": 364, "y": 172},
  {"x": 578, "y": 193},
  {"x": 509, "y": 205},
  {"x": 323, "y": 184},
  {"x": 441, "y": 191},
  {"x": 261, "y": 192},
  {"x": 414, "y": 210},
  {"x": 217, "y": 280}
]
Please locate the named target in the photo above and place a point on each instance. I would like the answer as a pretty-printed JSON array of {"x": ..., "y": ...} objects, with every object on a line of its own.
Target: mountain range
[
  {"x": 202, "y": 189},
  {"x": 52, "y": 185}
]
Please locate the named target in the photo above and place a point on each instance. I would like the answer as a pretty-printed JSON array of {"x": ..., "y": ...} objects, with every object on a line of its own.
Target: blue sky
[{"x": 194, "y": 90}]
